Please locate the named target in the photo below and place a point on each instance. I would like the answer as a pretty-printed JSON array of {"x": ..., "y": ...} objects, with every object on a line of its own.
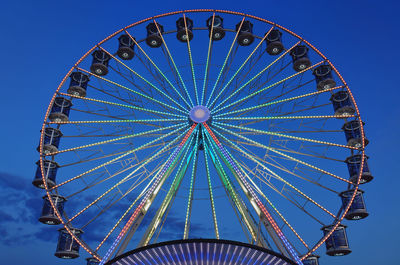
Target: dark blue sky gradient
[{"x": 41, "y": 40}]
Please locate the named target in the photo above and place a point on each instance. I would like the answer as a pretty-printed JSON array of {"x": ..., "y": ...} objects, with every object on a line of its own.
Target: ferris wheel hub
[{"x": 199, "y": 114}]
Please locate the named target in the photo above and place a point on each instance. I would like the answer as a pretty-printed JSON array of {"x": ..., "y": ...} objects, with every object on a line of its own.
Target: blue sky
[{"x": 42, "y": 40}]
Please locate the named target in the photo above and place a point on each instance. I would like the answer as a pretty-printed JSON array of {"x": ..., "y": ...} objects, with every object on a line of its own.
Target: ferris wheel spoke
[
  {"x": 158, "y": 69},
  {"x": 116, "y": 139},
  {"x": 123, "y": 155},
  {"x": 241, "y": 66},
  {"x": 273, "y": 229},
  {"x": 168, "y": 200},
  {"x": 273, "y": 99},
  {"x": 240, "y": 127},
  {"x": 261, "y": 90},
  {"x": 191, "y": 60},
  {"x": 206, "y": 71},
  {"x": 280, "y": 153},
  {"x": 147, "y": 82},
  {"x": 134, "y": 91},
  {"x": 210, "y": 191},
  {"x": 217, "y": 109},
  {"x": 124, "y": 106},
  {"x": 284, "y": 117},
  {"x": 239, "y": 207},
  {"x": 141, "y": 121},
  {"x": 276, "y": 175},
  {"x": 278, "y": 102},
  {"x": 271, "y": 204},
  {"x": 192, "y": 181},
  {"x": 225, "y": 61},
  {"x": 176, "y": 68}
]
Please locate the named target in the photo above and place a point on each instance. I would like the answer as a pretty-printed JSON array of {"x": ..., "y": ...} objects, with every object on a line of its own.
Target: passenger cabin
[
  {"x": 342, "y": 104},
  {"x": 323, "y": 77},
  {"x": 300, "y": 58},
  {"x": 311, "y": 260},
  {"x": 354, "y": 166},
  {"x": 274, "y": 42},
  {"x": 126, "y": 47},
  {"x": 67, "y": 246},
  {"x": 100, "y": 62},
  {"x": 78, "y": 84},
  {"x": 357, "y": 209},
  {"x": 60, "y": 110},
  {"x": 51, "y": 140},
  {"x": 92, "y": 261},
  {"x": 245, "y": 35},
  {"x": 352, "y": 131},
  {"x": 50, "y": 172},
  {"x": 154, "y": 31},
  {"x": 184, "y": 24},
  {"x": 337, "y": 243},
  {"x": 48, "y": 214},
  {"x": 217, "y": 27}
]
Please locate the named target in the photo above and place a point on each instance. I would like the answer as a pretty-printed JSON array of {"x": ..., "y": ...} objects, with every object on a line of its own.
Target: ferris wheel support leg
[
  {"x": 235, "y": 197},
  {"x": 278, "y": 237},
  {"x": 144, "y": 210},
  {"x": 168, "y": 198},
  {"x": 150, "y": 193}
]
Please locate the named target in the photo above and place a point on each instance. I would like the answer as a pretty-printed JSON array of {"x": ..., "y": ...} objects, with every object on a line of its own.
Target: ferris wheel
[{"x": 201, "y": 124}]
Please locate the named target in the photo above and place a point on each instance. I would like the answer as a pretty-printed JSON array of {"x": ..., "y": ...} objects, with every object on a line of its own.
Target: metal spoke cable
[
  {"x": 225, "y": 61},
  {"x": 176, "y": 68},
  {"x": 208, "y": 60},
  {"x": 240, "y": 67},
  {"x": 192, "y": 181},
  {"x": 263, "y": 89},
  {"x": 253, "y": 78},
  {"x": 159, "y": 70}
]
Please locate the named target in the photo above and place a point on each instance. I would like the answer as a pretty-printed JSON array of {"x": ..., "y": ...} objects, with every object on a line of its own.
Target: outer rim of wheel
[{"x": 337, "y": 223}]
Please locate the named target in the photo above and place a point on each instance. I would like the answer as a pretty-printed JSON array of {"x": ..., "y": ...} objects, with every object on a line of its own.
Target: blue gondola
[
  {"x": 323, "y": 77},
  {"x": 217, "y": 28},
  {"x": 245, "y": 36},
  {"x": 300, "y": 58},
  {"x": 48, "y": 215},
  {"x": 336, "y": 244},
  {"x": 181, "y": 29},
  {"x": 125, "y": 48},
  {"x": 78, "y": 84},
  {"x": 154, "y": 39},
  {"x": 100, "y": 62},
  {"x": 354, "y": 166},
  {"x": 50, "y": 172},
  {"x": 67, "y": 246},
  {"x": 274, "y": 42},
  {"x": 311, "y": 260},
  {"x": 51, "y": 140},
  {"x": 60, "y": 110},
  {"x": 92, "y": 261},
  {"x": 357, "y": 209},
  {"x": 342, "y": 104},
  {"x": 352, "y": 131}
]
